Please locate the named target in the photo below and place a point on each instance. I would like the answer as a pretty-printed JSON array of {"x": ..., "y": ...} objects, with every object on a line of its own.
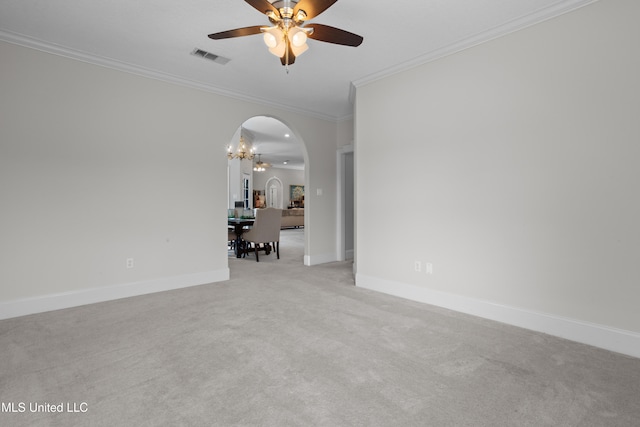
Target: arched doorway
[
  {"x": 277, "y": 145},
  {"x": 274, "y": 193}
]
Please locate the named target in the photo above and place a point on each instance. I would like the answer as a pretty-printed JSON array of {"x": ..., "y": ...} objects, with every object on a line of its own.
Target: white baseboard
[
  {"x": 618, "y": 340},
  {"x": 320, "y": 259},
  {"x": 40, "y": 304}
]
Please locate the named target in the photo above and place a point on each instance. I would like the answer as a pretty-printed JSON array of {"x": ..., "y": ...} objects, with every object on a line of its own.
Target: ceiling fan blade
[
  {"x": 325, "y": 33},
  {"x": 263, "y": 6},
  {"x": 238, "y": 32},
  {"x": 313, "y": 8}
]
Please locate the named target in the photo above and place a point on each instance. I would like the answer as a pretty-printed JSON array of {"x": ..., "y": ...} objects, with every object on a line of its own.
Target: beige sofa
[{"x": 292, "y": 218}]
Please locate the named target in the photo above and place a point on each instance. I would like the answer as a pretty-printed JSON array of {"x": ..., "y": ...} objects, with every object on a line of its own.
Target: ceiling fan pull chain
[{"x": 286, "y": 54}]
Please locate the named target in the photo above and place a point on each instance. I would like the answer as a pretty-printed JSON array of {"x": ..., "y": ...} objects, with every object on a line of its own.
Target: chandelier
[{"x": 242, "y": 152}]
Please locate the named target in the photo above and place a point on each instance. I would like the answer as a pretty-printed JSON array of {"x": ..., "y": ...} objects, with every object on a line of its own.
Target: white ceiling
[
  {"x": 156, "y": 38},
  {"x": 269, "y": 139}
]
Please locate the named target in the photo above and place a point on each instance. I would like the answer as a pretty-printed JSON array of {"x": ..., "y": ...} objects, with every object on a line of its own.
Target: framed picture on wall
[{"x": 296, "y": 195}]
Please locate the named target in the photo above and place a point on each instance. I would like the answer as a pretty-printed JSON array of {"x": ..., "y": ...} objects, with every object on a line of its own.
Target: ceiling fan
[
  {"x": 287, "y": 37},
  {"x": 261, "y": 166}
]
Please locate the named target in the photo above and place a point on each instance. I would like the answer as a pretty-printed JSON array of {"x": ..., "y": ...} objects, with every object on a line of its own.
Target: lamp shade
[
  {"x": 298, "y": 39},
  {"x": 299, "y": 50},
  {"x": 274, "y": 39},
  {"x": 297, "y": 36},
  {"x": 270, "y": 40}
]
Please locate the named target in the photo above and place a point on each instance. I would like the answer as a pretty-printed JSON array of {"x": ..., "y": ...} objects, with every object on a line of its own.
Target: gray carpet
[{"x": 281, "y": 344}]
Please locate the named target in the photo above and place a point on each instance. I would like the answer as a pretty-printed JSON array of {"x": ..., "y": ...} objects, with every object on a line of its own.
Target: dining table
[{"x": 239, "y": 225}]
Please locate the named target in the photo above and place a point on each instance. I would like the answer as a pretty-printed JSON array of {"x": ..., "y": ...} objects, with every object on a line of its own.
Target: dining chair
[
  {"x": 265, "y": 231},
  {"x": 231, "y": 239}
]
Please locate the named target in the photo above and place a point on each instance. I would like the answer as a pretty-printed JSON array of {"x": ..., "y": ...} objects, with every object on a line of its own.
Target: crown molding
[
  {"x": 54, "y": 49},
  {"x": 287, "y": 167},
  {"x": 483, "y": 37},
  {"x": 499, "y": 31}
]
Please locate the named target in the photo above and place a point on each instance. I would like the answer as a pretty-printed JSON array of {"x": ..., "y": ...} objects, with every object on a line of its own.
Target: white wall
[
  {"x": 521, "y": 179},
  {"x": 98, "y": 165},
  {"x": 345, "y": 132}
]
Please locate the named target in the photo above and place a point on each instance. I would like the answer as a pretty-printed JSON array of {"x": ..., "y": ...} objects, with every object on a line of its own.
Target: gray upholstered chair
[{"x": 265, "y": 231}]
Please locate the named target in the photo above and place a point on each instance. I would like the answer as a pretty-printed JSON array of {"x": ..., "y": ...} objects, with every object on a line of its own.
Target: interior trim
[
  {"x": 608, "y": 338},
  {"x": 113, "y": 64},
  {"x": 41, "y": 304},
  {"x": 319, "y": 259},
  {"x": 474, "y": 40},
  {"x": 341, "y": 252},
  {"x": 515, "y": 25}
]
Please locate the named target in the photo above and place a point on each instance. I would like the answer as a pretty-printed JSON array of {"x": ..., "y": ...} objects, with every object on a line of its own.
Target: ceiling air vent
[{"x": 210, "y": 56}]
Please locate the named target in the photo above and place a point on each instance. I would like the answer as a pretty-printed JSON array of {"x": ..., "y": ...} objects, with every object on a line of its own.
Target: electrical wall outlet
[
  {"x": 428, "y": 268},
  {"x": 417, "y": 265},
  {"x": 129, "y": 262}
]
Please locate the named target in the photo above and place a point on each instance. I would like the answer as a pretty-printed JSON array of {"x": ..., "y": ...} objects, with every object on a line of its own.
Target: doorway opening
[
  {"x": 346, "y": 212},
  {"x": 275, "y": 177}
]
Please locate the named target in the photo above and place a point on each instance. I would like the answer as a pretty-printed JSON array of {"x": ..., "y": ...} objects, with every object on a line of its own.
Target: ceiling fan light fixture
[
  {"x": 274, "y": 39},
  {"x": 272, "y": 16},
  {"x": 260, "y": 165},
  {"x": 279, "y": 50},
  {"x": 299, "y": 50},
  {"x": 286, "y": 11},
  {"x": 270, "y": 40},
  {"x": 297, "y": 36},
  {"x": 273, "y": 36},
  {"x": 298, "y": 39},
  {"x": 301, "y": 16}
]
